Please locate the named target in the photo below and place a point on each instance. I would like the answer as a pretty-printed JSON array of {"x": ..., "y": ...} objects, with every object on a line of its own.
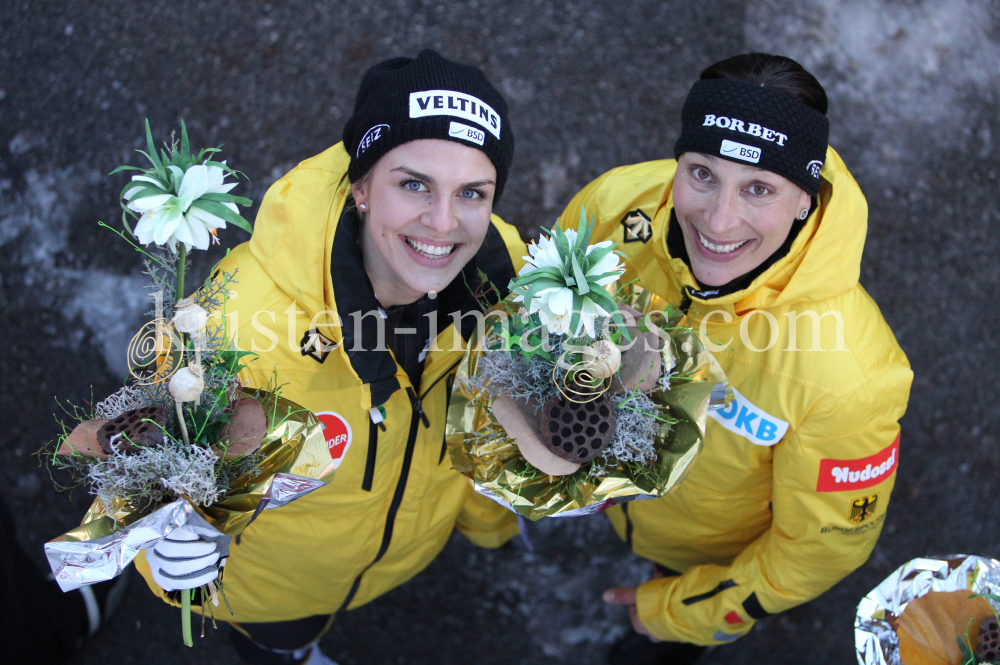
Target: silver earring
[
  {"x": 362, "y": 206},
  {"x": 804, "y": 214}
]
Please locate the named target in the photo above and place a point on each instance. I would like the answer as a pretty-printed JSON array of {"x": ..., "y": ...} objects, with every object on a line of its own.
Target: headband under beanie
[
  {"x": 431, "y": 97},
  {"x": 750, "y": 124}
]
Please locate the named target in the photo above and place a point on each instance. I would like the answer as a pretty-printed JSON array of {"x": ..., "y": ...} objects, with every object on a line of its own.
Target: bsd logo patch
[{"x": 338, "y": 435}]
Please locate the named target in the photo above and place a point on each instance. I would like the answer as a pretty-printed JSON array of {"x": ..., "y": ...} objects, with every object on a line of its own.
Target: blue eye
[
  {"x": 471, "y": 194},
  {"x": 415, "y": 186}
]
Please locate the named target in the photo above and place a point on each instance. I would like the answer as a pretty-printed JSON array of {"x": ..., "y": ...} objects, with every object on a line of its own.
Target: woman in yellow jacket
[
  {"x": 362, "y": 261},
  {"x": 756, "y": 230}
]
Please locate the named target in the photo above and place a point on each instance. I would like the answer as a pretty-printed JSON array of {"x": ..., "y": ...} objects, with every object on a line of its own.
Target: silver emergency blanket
[{"x": 875, "y": 641}]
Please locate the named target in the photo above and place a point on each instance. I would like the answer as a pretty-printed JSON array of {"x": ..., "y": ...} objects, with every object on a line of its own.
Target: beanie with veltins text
[{"x": 430, "y": 97}]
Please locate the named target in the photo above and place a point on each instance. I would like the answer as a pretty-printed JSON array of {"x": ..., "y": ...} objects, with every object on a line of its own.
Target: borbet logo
[
  {"x": 338, "y": 435},
  {"x": 456, "y": 104},
  {"x": 842, "y": 475},
  {"x": 748, "y": 128}
]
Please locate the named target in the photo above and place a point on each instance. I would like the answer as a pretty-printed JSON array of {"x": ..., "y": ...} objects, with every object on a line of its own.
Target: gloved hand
[{"x": 183, "y": 560}]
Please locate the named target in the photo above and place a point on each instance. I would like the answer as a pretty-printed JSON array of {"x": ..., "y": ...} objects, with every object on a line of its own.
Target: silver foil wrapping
[
  {"x": 76, "y": 563},
  {"x": 875, "y": 640}
]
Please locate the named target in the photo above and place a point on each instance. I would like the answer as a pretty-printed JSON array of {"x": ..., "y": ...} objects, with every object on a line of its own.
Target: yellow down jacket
[
  {"x": 790, "y": 491},
  {"x": 394, "y": 499}
]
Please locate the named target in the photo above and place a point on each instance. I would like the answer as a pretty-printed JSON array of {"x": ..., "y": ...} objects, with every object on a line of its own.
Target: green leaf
[
  {"x": 618, "y": 320},
  {"x": 226, "y": 198},
  {"x": 185, "y": 146},
  {"x": 151, "y": 150},
  {"x": 593, "y": 279},
  {"x": 583, "y": 230},
  {"x": 540, "y": 285},
  {"x": 225, "y": 213},
  {"x": 146, "y": 190},
  {"x": 562, "y": 244},
  {"x": 532, "y": 277},
  {"x": 600, "y": 297},
  {"x": 595, "y": 256},
  {"x": 581, "y": 280},
  {"x": 126, "y": 168},
  {"x": 574, "y": 320}
]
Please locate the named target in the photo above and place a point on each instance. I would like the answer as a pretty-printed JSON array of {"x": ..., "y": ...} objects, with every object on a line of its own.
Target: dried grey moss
[{"x": 154, "y": 475}]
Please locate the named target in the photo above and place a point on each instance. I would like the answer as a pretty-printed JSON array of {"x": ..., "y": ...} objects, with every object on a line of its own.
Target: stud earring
[
  {"x": 363, "y": 206},
  {"x": 804, "y": 214}
]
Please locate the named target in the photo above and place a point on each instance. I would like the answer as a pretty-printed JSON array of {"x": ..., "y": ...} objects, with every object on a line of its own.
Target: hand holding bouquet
[{"x": 571, "y": 400}]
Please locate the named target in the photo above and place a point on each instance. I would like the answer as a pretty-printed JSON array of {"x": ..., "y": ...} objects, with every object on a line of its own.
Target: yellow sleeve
[
  {"x": 821, "y": 529},
  {"x": 485, "y": 522}
]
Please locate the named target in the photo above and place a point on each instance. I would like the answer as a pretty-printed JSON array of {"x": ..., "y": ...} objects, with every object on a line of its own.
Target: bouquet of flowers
[
  {"x": 183, "y": 443},
  {"x": 570, "y": 400}
]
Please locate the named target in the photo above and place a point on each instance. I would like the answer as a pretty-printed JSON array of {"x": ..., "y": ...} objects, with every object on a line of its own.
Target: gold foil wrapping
[{"x": 497, "y": 469}]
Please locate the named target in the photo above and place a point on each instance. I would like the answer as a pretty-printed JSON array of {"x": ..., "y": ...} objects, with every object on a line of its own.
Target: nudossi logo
[
  {"x": 338, "y": 435},
  {"x": 842, "y": 475}
]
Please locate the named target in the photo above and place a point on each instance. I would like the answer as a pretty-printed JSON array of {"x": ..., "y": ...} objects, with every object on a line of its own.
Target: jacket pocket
[{"x": 369, "y": 477}]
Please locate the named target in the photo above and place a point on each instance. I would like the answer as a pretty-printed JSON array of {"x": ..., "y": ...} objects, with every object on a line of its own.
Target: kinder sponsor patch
[
  {"x": 338, "y": 435},
  {"x": 750, "y": 422},
  {"x": 837, "y": 475},
  {"x": 457, "y": 104}
]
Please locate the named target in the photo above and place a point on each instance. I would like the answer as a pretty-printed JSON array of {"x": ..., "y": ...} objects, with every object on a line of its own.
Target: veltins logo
[
  {"x": 338, "y": 435},
  {"x": 372, "y": 135},
  {"x": 458, "y": 104},
  {"x": 837, "y": 475},
  {"x": 751, "y": 422}
]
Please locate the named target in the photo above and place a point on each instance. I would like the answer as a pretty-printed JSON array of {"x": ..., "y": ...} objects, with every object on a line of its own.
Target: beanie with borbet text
[
  {"x": 430, "y": 97},
  {"x": 750, "y": 124}
]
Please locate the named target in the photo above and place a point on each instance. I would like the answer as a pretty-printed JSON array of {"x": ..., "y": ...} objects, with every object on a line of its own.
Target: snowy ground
[{"x": 914, "y": 89}]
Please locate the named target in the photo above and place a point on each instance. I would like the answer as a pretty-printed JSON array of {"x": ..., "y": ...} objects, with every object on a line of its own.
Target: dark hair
[{"x": 775, "y": 72}]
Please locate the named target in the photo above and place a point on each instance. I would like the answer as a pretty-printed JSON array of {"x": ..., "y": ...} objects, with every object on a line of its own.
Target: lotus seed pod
[
  {"x": 187, "y": 384},
  {"x": 190, "y": 318},
  {"x": 607, "y": 358}
]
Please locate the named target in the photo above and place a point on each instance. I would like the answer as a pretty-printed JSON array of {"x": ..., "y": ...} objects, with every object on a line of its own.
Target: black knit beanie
[
  {"x": 431, "y": 97},
  {"x": 750, "y": 124}
]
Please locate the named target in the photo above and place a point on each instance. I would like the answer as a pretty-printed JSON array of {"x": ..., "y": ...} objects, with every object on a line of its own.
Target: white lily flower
[{"x": 169, "y": 218}]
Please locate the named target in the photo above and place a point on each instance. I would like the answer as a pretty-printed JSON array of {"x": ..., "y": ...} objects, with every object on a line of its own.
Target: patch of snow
[{"x": 109, "y": 304}]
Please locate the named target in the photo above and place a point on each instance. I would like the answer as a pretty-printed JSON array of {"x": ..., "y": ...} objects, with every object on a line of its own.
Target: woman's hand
[{"x": 627, "y": 596}]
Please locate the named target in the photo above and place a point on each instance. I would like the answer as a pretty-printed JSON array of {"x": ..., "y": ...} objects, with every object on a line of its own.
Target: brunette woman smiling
[{"x": 362, "y": 261}]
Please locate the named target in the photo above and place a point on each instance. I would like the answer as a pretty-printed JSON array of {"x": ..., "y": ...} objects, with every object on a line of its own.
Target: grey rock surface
[{"x": 914, "y": 88}]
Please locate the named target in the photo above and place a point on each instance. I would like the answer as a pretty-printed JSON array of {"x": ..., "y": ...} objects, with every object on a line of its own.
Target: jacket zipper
[
  {"x": 417, "y": 416},
  {"x": 450, "y": 383},
  {"x": 366, "y": 483}
]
